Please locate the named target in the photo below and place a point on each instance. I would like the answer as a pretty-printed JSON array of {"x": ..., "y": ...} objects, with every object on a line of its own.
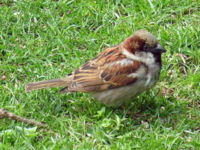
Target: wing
[{"x": 111, "y": 69}]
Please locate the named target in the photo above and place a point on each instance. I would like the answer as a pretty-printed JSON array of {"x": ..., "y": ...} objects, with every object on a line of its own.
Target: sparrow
[{"x": 116, "y": 75}]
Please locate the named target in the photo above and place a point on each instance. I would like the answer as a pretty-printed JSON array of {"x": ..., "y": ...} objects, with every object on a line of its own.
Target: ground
[{"x": 48, "y": 39}]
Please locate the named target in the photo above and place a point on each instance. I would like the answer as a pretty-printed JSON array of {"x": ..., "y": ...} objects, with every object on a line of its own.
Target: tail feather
[{"x": 46, "y": 84}]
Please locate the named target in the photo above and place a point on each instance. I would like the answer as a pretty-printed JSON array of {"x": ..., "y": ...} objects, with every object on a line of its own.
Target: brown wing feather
[
  {"x": 102, "y": 73},
  {"x": 108, "y": 56}
]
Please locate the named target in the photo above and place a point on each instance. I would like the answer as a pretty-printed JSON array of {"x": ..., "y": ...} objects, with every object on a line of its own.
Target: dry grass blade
[{"x": 11, "y": 116}]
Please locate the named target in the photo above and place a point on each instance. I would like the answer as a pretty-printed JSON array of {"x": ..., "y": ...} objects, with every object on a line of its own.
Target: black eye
[{"x": 147, "y": 48}]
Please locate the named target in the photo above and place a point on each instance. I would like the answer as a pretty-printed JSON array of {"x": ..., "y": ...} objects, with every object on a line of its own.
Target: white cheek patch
[{"x": 145, "y": 57}]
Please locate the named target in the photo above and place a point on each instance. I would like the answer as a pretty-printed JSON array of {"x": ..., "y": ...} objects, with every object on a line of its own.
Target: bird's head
[{"x": 143, "y": 41}]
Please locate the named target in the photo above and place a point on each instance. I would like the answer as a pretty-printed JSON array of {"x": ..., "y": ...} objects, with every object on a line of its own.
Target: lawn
[{"x": 45, "y": 39}]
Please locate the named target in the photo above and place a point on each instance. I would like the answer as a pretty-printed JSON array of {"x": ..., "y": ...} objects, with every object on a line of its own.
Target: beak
[{"x": 160, "y": 48}]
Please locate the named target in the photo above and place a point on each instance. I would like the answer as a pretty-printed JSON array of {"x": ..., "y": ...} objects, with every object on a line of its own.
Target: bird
[{"x": 118, "y": 74}]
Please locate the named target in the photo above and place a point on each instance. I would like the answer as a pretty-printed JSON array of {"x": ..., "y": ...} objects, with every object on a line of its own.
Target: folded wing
[{"x": 110, "y": 69}]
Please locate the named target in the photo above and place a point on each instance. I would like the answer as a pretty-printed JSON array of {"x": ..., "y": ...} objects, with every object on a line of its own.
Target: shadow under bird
[{"x": 117, "y": 74}]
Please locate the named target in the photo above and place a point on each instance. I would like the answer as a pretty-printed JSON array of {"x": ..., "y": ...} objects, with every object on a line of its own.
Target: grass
[{"x": 48, "y": 39}]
